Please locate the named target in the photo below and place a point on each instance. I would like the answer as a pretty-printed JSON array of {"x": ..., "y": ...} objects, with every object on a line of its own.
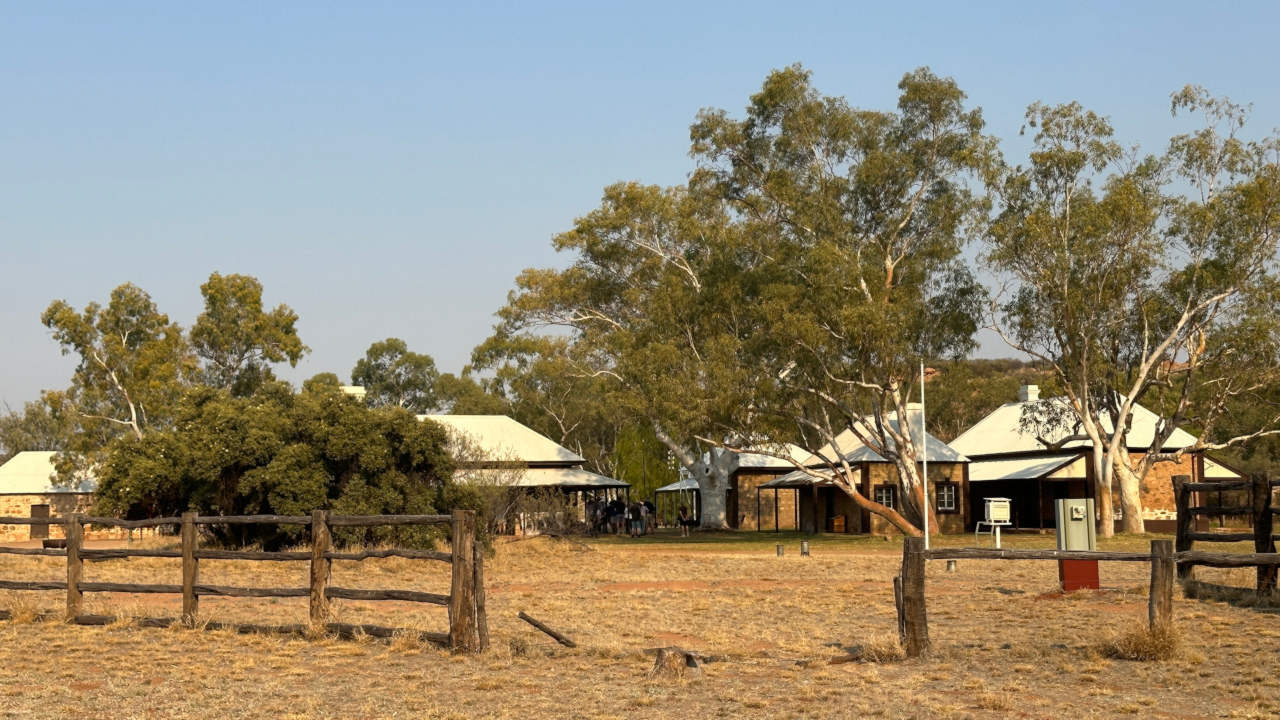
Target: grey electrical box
[{"x": 1075, "y": 524}]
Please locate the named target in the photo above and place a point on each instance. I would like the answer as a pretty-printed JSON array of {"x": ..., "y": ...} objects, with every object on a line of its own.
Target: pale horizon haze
[{"x": 386, "y": 169}]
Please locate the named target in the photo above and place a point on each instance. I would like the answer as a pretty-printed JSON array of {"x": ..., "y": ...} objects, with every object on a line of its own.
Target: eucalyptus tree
[
  {"x": 237, "y": 339},
  {"x": 35, "y": 427},
  {"x": 539, "y": 379},
  {"x": 133, "y": 365},
  {"x": 653, "y": 307},
  {"x": 394, "y": 376},
  {"x": 133, "y": 359},
  {"x": 862, "y": 215},
  {"x": 1142, "y": 279},
  {"x": 789, "y": 290}
]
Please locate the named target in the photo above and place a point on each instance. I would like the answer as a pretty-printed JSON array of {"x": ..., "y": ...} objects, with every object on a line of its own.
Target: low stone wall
[{"x": 60, "y": 505}]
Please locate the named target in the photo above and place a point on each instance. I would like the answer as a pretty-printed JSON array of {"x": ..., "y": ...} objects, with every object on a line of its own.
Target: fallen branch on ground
[{"x": 555, "y": 635}]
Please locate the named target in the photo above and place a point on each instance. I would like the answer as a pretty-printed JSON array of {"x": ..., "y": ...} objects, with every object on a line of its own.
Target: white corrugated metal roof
[
  {"x": 799, "y": 478},
  {"x": 564, "y": 477},
  {"x": 502, "y": 439},
  {"x": 853, "y": 449},
  {"x": 31, "y": 473},
  {"x": 1217, "y": 471},
  {"x": 1001, "y": 432},
  {"x": 1024, "y": 468},
  {"x": 760, "y": 460},
  {"x": 684, "y": 485}
]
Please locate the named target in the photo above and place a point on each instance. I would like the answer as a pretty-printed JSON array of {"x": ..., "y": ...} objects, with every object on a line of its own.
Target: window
[
  {"x": 945, "y": 496},
  {"x": 887, "y": 495}
]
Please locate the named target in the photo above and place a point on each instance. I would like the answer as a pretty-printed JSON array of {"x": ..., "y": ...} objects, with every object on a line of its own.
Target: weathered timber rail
[
  {"x": 909, "y": 596},
  {"x": 1261, "y": 514},
  {"x": 468, "y": 624}
]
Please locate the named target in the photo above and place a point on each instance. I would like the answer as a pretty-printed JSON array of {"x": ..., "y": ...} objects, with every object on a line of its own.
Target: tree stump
[{"x": 673, "y": 663}]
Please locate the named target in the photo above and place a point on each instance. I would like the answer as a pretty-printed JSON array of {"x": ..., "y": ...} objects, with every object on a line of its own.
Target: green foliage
[
  {"x": 540, "y": 380},
  {"x": 1147, "y": 279},
  {"x": 133, "y": 366},
  {"x": 36, "y": 427},
  {"x": 642, "y": 460},
  {"x": 281, "y": 452},
  {"x": 965, "y": 391},
  {"x": 393, "y": 376},
  {"x": 237, "y": 339},
  {"x": 462, "y": 394}
]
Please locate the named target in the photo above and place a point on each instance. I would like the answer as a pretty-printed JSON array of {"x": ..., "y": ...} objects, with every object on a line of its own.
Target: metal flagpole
[{"x": 924, "y": 459}]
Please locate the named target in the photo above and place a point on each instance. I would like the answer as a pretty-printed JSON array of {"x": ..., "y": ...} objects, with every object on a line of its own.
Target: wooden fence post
[
  {"x": 482, "y": 617},
  {"x": 464, "y": 629},
  {"x": 1185, "y": 523},
  {"x": 320, "y": 566},
  {"x": 190, "y": 567},
  {"x": 75, "y": 539},
  {"x": 1262, "y": 527},
  {"x": 913, "y": 622},
  {"x": 1160, "y": 604}
]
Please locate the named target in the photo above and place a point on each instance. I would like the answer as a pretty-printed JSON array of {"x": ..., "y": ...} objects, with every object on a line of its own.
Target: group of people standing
[
  {"x": 635, "y": 518},
  {"x": 615, "y": 517}
]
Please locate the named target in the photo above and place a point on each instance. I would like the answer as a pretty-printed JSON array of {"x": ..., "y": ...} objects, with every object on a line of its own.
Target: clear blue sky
[{"x": 387, "y": 168}]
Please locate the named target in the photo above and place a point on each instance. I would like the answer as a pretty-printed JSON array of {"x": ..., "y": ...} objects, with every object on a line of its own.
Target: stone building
[
  {"x": 823, "y": 506},
  {"x": 27, "y": 490},
  {"x": 1033, "y": 471}
]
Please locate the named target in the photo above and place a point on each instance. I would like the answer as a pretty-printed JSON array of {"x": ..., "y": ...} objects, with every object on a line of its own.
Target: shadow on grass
[{"x": 1240, "y": 597}]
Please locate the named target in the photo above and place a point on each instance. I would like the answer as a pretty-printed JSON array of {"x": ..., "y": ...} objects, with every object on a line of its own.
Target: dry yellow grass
[{"x": 1004, "y": 643}]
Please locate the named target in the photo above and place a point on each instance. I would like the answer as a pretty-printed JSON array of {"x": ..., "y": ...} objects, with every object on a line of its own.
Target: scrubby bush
[{"x": 283, "y": 452}]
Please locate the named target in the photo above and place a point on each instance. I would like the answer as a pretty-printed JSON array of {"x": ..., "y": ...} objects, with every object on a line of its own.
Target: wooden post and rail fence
[
  {"x": 468, "y": 625},
  {"x": 1260, "y": 512},
  {"x": 1168, "y": 559}
]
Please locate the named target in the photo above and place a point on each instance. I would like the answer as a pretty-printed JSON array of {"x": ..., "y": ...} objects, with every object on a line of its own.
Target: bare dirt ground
[{"x": 1006, "y": 644}]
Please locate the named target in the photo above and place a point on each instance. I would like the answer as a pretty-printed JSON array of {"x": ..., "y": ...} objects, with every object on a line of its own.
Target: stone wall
[
  {"x": 746, "y": 481},
  {"x": 835, "y": 502},
  {"x": 60, "y": 506},
  {"x": 948, "y": 523}
]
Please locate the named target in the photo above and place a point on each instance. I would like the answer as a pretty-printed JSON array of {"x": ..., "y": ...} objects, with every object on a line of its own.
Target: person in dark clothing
[
  {"x": 686, "y": 521},
  {"x": 636, "y": 524}
]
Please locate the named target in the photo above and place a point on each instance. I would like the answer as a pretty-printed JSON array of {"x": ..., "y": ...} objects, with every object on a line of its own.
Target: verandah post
[
  {"x": 1160, "y": 604},
  {"x": 190, "y": 568},
  {"x": 913, "y": 622},
  {"x": 320, "y": 566},
  {"x": 75, "y": 539},
  {"x": 464, "y": 627}
]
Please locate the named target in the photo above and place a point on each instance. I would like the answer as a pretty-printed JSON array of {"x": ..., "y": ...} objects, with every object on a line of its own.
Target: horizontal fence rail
[
  {"x": 468, "y": 624},
  {"x": 1192, "y": 557}
]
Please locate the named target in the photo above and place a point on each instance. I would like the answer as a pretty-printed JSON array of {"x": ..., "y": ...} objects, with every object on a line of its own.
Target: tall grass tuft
[{"x": 1142, "y": 643}]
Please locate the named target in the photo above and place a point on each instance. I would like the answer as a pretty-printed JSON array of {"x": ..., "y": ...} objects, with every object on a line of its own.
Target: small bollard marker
[
  {"x": 804, "y": 548},
  {"x": 779, "y": 549}
]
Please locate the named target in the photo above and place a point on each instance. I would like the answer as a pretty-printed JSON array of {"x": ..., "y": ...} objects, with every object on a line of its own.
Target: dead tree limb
[{"x": 555, "y": 635}]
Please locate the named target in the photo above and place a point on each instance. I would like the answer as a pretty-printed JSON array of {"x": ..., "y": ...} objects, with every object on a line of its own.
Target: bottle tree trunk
[{"x": 713, "y": 486}]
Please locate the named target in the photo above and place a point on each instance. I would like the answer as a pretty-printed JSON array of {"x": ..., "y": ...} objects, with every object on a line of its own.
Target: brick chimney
[{"x": 1029, "y": 393}]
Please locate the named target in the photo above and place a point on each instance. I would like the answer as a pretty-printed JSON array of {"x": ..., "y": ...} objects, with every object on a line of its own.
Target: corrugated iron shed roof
[
  {"x": 31, "y": 473},
  {"x": 1022, "y": 468},
  {"x": 1001, "y": 432},
  {"x": 500, "y": 438}
]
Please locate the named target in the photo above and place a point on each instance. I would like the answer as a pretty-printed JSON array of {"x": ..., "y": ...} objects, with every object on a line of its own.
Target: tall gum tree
[
  {"x": 133, "y": 365},
  {"x": 862, "y": 215},
  {"x": 238, "y": 339},
  {"x": 1141, "y": 279},
  {"x": 651, "y": 307}
]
